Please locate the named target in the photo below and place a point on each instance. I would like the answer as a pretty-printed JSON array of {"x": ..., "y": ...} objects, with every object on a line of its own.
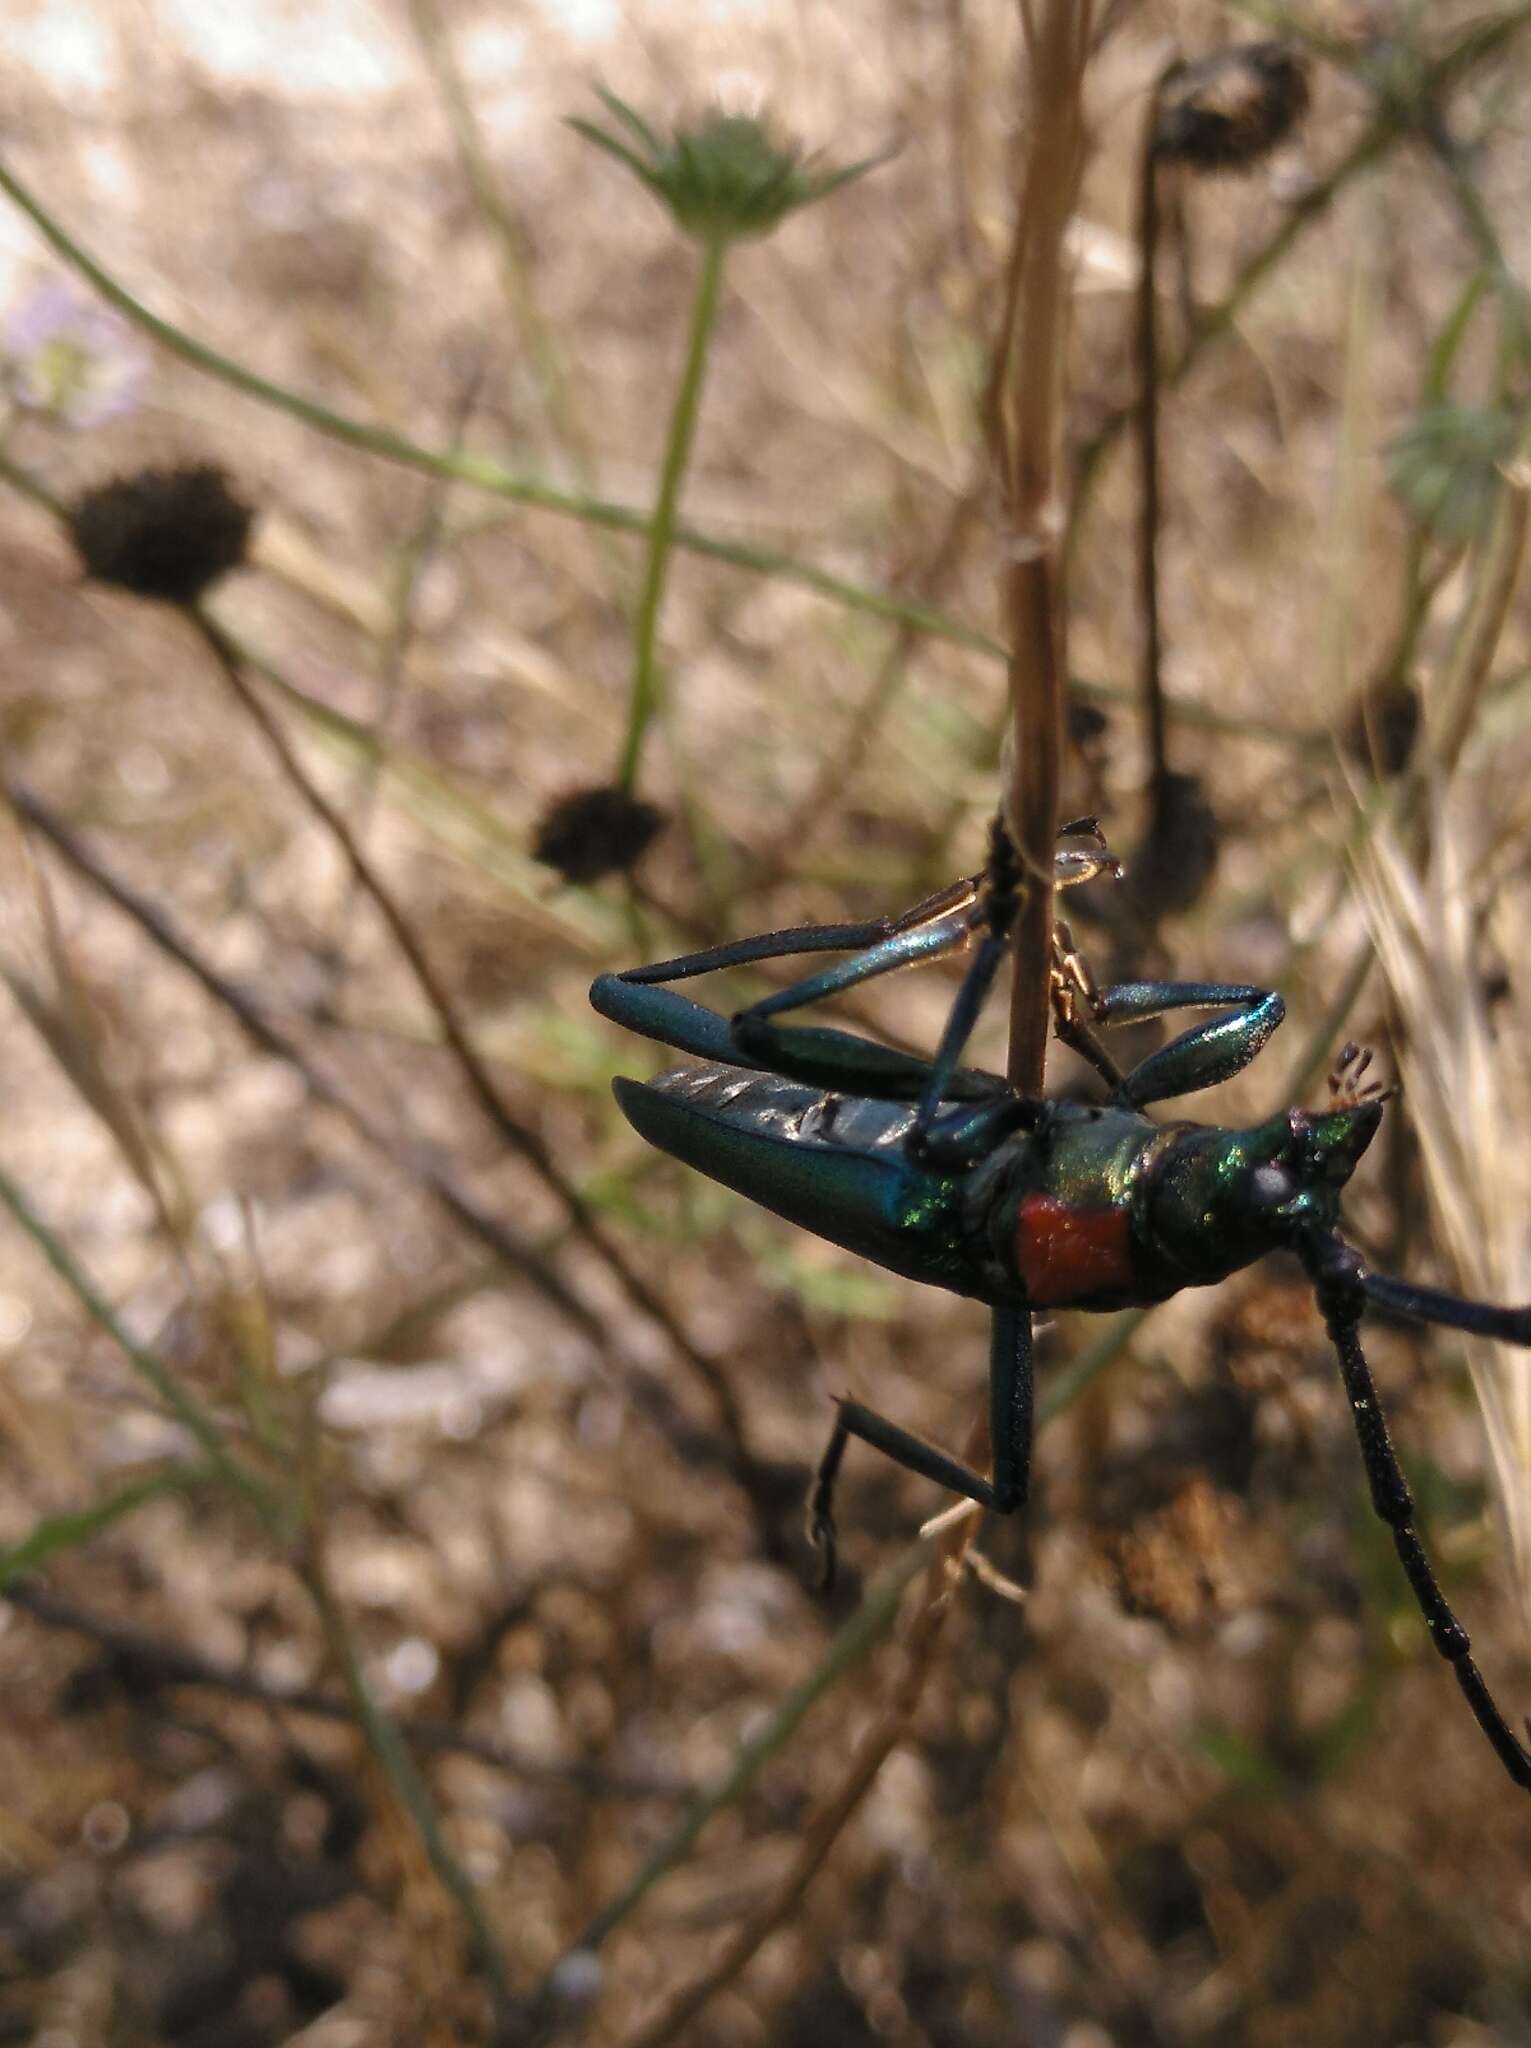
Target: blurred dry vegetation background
[{"x": 398, "y": 1437}]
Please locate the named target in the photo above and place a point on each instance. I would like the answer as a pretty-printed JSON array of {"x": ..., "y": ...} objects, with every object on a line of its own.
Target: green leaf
[
  {"x": 1445, "y": 467},
  {"x": 56, "y": 1533},
  {"x": 1241, "y": 1762}
]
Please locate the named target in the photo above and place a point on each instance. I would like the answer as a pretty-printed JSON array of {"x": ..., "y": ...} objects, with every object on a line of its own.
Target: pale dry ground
[{"x": 1209, "y": 1786}]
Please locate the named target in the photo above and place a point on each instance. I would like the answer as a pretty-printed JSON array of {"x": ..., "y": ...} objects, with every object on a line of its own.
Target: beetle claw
[
  {"x": 821, "y": 1534},
  {"x": 1347, "y": 1090}
]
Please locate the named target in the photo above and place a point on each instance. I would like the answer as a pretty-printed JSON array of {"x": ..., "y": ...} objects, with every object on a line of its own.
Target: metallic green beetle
[{"x": 949, "y": 1175}]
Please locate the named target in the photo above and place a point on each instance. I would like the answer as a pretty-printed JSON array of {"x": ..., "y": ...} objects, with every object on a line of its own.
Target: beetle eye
[{"x": 1271, "y": 1186}]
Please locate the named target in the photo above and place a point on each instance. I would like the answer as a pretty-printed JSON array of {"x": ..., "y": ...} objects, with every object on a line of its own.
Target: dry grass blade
[
  {"x": 823, "y": 1830},
  {"x": 62, "y": 1013},
  {"x": 1465, "y": 1091}
]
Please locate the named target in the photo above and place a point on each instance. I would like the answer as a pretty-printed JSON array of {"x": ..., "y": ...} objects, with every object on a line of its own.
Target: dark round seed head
[
  {"x": 165, "y": 533},
  {"x": 595, "y": 832},
  {"x": 1173, "y": 866},
  {"x": 1231, "y": 109},
  {"x": 1381, "y": 729}
]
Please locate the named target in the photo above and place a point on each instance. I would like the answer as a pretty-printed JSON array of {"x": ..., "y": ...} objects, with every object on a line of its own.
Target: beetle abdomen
[{"x": 834, "y": 1164}]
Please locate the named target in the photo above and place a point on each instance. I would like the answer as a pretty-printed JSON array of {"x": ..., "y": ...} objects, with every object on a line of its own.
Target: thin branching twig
[
  {"x": 691, "y": 1444},
  {"x": 520, "y": 1137},
  {"x": 157, "y": 1662}
]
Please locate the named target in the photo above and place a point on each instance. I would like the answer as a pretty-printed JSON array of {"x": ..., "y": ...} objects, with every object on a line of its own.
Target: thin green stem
[
  {"x": 481, "y": 473},
  {"x": 399, "y": 1768},
  {"x": 514, "y": 246},
  {"x": 476, "y": 470},
  {"x": 187, "y": 1410},
  {"x": 851, "y": 1641},
  {"x": 647, "y": 685},
  {"x": 56, "y": 1533}
]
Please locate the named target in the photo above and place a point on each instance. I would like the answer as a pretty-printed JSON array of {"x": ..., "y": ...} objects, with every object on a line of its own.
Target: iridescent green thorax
[{"x": 1058, "y": 1208}]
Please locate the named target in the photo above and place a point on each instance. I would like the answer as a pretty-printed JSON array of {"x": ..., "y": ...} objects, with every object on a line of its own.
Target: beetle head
[{"x": 1223, "y": 1198}]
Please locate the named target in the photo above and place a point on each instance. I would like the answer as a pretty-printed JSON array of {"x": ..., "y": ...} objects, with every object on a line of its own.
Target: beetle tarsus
[{"x": 821, "y": 1515}]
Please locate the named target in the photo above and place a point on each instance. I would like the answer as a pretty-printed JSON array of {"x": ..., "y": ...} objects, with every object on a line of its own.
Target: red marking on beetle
[{"x": 1068, "y": 1255}]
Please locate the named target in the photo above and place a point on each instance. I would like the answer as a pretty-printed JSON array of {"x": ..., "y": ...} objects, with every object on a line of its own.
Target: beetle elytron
[{"x": 949, "y": 1175}]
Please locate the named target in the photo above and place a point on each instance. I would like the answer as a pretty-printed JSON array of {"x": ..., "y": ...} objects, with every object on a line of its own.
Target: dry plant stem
[
  {"x": 691, "y": 1445},
  {"x": 1026, "y": 439},
  {"x": 1028, "y": 443},
  {"x": 864, "y": 1628},
  {"x": 892, "y": 1724},
  {"x": 1478, "y": 42},
  {"x": 1146, "y": 346},
  {"x": 1494, "y": 581},
  {"x": 399, "y": 1769},
  {"x": 187, "y": 1410},
  {"x": 520, "y": 1137},
  {"x": 162, "y": 1663},
  {"x": 1477, "y": 637},
  {"x": 1219, "y": 319}
]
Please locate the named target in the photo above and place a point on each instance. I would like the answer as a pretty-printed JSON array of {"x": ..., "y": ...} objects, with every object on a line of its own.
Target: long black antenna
[{"x": 1343, "y": 1288}]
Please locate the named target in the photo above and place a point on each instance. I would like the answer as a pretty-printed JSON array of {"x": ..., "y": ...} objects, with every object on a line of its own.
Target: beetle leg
[
  {"x": 1070, "y": 983},
  {"x": 1341, "y": 1286},
  {"x": 827, "y": 1058},
  {"x": 1010, "y": 1409},
  {"x": 1198, "y": 1058}
]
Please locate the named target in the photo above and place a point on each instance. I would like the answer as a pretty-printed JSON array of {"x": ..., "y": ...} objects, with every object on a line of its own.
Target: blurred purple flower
[{"x": 69, "y": 357}]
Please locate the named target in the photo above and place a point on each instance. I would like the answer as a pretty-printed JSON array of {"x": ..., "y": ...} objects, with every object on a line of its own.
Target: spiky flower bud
[
  {"x": 723, "y": 179},
  {"x": 1229, "y": 110},
  {"x": 165, "y": 533},
  {"x": 595, "y": 832}
]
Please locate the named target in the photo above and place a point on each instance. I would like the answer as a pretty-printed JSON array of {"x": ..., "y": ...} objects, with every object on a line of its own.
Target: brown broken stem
[{"x": 1027, "y": 446}]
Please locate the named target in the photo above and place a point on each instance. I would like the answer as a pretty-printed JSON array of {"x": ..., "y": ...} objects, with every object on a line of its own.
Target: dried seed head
[
  {"x": 595, "y": 832},
  {"x": 1173, "y": 866},
  {"x": 1088, "y": 727},
  {"x": 166, "y": 533},
  {"x": 1381, "y": 730},
  {"x": 1228, "y": 111}
]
